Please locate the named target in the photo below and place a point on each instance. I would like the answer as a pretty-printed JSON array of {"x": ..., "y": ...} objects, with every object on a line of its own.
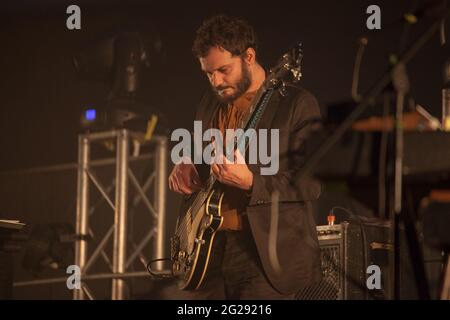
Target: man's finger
[
  {"x": 197, "y": 182},
  {"x": 184, "y": 186},
  {"x": 226, "y": 161},
  {"x": 170, "y": 183},
  {"x": 215, "y": 169},
  {"x": 180, "y": 187},
  {"x": 219, "y": 158},
  {"x": 175, "y": 187},
  {"x": 238, "y": 157}
]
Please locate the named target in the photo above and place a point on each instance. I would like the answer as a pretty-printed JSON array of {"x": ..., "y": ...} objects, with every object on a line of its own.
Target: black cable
[
  {"x": 156, "y": 275},
  {"x": 409, "y": 19}
]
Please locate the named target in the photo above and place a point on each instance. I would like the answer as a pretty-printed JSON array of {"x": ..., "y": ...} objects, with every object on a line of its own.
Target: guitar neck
[{"x": 256, "y": 111}]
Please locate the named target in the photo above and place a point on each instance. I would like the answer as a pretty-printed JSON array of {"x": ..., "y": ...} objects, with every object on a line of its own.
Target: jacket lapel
[{"x": 269, "y": 113}]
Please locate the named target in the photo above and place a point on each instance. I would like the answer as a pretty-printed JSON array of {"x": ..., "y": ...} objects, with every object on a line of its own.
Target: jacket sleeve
[{"x": 304, "y": 113}]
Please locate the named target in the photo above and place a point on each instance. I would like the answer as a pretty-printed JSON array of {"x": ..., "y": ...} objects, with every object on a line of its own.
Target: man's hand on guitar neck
[
  {"x": 235, "y": 174},
  {"x": 184, "y": 178}
]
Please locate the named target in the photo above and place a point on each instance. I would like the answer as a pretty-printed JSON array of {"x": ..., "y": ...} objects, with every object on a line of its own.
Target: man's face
[{"x": 228, "y": 75}]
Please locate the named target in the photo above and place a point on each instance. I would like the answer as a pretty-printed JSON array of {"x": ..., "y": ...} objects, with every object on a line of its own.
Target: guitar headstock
[{"x": 288, "y": 69}]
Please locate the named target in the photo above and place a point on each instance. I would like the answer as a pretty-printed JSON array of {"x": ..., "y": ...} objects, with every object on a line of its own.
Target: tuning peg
[
  {"x": 297, "y": 74},
  {"x": 282, "y": 89}
]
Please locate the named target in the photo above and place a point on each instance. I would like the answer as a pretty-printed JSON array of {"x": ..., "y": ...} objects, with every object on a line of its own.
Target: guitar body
[{"x": 191, "y": 246}]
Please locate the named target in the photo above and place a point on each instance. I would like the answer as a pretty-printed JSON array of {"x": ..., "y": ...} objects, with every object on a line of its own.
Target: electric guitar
[{"x": 201, "y": 217}]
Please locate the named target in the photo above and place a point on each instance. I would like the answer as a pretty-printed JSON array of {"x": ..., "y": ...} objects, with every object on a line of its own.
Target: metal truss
[{"x": 122, "y": 256}]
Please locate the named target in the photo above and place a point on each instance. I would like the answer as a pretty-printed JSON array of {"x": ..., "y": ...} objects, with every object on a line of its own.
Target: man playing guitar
[{"x": 240, "y": 266}]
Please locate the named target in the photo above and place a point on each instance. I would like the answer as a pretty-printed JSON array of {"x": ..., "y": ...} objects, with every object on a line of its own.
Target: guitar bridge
[{"x": 199, "y": 241}]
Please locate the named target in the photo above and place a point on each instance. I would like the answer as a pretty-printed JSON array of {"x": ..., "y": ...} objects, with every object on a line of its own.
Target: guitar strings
[
  {"x": 200, "y": 199},
  {"x": 197, "y": 203}
]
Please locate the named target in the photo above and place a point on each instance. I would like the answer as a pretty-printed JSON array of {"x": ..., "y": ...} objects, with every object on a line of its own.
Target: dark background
[{"x": 42, "y": 96}]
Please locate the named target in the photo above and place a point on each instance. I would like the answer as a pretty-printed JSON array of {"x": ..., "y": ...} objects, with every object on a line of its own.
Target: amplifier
[{"x": 347, "y": 250}]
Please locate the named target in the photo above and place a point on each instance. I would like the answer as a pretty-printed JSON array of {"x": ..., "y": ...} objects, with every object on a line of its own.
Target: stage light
[
  {"x": 90, "y": 114},
  {"x": 119, "y": 60}
]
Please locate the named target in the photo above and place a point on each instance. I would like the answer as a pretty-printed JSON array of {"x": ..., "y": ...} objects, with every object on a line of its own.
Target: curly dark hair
[{"x": 232, "y": 34}]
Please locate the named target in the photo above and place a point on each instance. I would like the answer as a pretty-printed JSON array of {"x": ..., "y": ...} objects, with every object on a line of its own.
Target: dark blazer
[{"x": 297, "y": 245}]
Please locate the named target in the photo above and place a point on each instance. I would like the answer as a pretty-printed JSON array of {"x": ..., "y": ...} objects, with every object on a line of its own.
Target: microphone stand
[
  {"x": 377, "y": 89},
  {"x": 401, "y": 84}
]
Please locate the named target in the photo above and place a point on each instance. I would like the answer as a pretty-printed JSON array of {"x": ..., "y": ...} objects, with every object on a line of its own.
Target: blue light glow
[{"x": 90, "y": 114}]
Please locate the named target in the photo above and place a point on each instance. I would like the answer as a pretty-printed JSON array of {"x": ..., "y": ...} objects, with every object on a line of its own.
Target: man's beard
[{"x": 241, "y": 86}]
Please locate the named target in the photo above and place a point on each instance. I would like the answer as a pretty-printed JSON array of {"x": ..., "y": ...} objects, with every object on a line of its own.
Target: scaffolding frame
[{"x": 123, "y": 177}]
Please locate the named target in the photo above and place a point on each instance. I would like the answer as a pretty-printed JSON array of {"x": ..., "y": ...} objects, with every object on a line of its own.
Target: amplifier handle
[{"x": 380, "y": 246}]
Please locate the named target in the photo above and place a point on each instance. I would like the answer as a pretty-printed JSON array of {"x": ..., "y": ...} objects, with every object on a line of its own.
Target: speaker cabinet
[{"x": 347, "y": 250}]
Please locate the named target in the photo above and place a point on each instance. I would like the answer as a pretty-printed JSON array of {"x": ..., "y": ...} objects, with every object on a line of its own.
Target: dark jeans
[{"x": 235, "y": 271}]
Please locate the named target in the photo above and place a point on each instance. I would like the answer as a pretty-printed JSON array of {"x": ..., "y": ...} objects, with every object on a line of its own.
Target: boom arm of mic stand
[{"x": 376, "y": 90}]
